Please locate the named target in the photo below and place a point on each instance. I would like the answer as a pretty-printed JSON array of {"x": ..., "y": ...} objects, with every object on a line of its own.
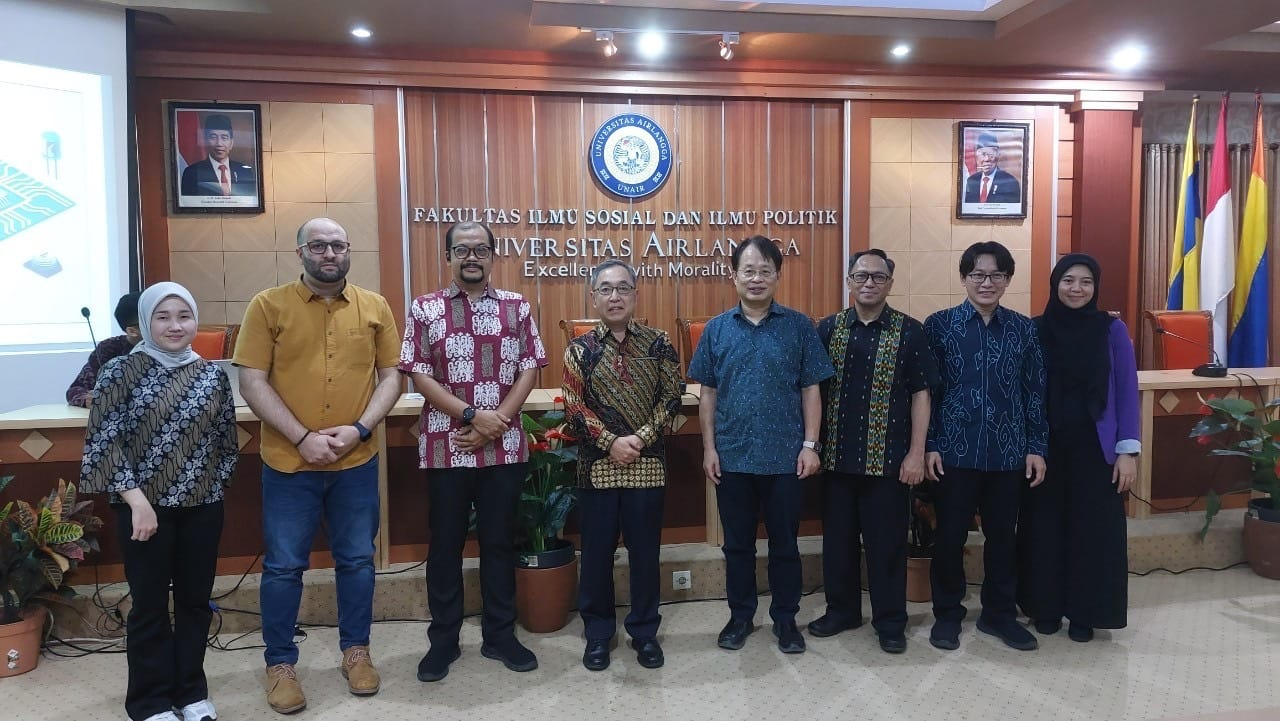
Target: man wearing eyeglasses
[
  {"x": 988, "y": 436},
  {"x": 875, "y": 419},
  {"x": 622, "y": 387},
  {"x": 317, "y": 364},
  {"x": 760, "y": 409},
  {"x": 473, "y": 352}
]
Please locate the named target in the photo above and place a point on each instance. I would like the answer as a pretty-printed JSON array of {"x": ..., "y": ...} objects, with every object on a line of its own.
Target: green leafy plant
[
  {"x": 1242, "y": 429},
  {"x": 550, "y": 489},
  {"x": 40, "y": 546}
]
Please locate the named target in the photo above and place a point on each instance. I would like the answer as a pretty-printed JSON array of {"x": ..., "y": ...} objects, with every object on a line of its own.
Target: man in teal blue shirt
[{"x": 760, "y": 365}]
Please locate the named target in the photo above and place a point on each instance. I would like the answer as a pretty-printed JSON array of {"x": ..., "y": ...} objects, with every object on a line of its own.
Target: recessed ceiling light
[
  {"x": 1128, "y": 57},
  {"x": 651, "y": 45},
  {"x": 361, "y": 32},
  {"x": 901, "y": 50}
]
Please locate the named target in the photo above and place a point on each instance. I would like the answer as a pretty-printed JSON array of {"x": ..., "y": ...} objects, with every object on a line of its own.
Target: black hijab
[{"x": 1076, "y": 350}]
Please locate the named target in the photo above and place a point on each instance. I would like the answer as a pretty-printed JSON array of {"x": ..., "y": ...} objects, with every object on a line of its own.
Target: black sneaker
[
  {"x": 1048, "y": 626},
  {"x": 734, "y": 634},
  {"x": 789, "y": 638},
  {"x": 1079, "y": 633},
  {"x": 1011, "y": 632},
  {"x": 511, "y": 653},
  {"x": 829, "y": 625},
  {"x": 945, "y": 635},
  {"x": 435, "y": 665}
]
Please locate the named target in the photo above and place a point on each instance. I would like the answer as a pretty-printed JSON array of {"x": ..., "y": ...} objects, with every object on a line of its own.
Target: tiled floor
[{"x": 1202, "y": 645}]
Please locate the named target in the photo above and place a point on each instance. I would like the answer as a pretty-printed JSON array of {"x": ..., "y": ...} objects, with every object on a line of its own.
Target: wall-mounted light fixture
[
  {"x": 650, "y": 44},
  {"x": 727, "y": 41},
  {"x": 605, "y": 37}
]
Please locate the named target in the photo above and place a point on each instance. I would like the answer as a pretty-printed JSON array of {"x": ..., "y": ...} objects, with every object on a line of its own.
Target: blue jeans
[{"x": 292, "y": 507}]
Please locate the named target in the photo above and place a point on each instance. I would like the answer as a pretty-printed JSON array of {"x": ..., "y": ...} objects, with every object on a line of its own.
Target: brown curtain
[{"x": 1161, "y": 177}]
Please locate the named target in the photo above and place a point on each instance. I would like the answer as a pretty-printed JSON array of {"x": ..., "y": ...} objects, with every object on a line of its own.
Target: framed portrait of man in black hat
[
  {"x": 215, "y": 157},
  {"x": 992, "y": 161}
]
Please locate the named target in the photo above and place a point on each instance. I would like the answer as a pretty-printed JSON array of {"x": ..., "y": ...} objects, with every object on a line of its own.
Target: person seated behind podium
[
  {"x": 80, "y": 392},
  {"x": 218, "y": 174},
  {"x": 621, "y": 389},
  {"x": 161, "y": 439}
]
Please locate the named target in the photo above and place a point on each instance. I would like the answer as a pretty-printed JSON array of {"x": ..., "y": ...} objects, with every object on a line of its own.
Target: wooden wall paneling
[
  {"x": 386, "y": 148},
  {"x": 699, "y": 178},
  {"x": 509, "y": 181},
  {"x": 859, "y": 190},
  {"x": 1042, "y": 218},
  {"x": 460, "y": 161},
  {"x": 561, "y": 174},
  {"x": 658, "y": 306},
  {"x": 790, "y": 187},
  {"x": 828, "y": 241},
  {"x": 746, "y": 168},
  {"x": 426, "y": 239}
]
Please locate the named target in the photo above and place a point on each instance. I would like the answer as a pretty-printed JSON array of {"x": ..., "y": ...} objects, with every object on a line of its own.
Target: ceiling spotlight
[
  {"x": 361, "y": 32},
  {"x": 605, "y": 37},
  {"x": 727, "y": 41},
  {"x": 1128, "y": 57},
  {"x": 651, "y": 45},
  {"x": 901, "y": 50}
]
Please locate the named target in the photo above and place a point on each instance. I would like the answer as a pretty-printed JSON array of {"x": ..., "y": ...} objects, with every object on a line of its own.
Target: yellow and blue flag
[
  {"x": 1184, "y": 273},
  {"x": 1250, "y": 312}
]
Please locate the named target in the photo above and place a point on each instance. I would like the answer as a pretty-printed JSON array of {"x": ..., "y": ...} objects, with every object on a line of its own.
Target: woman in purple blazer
[{"x": 1072, "y": 542}]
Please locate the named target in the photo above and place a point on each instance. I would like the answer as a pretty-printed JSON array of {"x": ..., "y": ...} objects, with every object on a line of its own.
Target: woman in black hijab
[{"x": 1072, "y": 542}]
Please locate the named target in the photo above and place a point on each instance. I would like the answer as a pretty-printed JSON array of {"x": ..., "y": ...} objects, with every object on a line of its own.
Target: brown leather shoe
[
  {"x": 357, "y": 669},
  {"x": 284, "y": 691}
]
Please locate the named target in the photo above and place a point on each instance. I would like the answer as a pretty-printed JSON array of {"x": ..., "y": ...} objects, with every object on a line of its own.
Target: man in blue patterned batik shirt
[
  {"x": 988, "y": 436},
  {"x": 760, "y": 410}
]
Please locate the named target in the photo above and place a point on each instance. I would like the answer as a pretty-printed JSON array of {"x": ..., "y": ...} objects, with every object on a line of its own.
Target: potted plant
[
  {"x": 923, "y": 527},
  {"x": 39, "y": 548},
  {"x": 1249, "y": 431},
  {"x": 547, "y": 567}
]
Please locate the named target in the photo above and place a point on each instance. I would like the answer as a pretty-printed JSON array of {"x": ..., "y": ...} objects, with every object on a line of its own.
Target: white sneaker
[
  {"x": 164, "y": 716},
  {"x": 199, "y": 711}
]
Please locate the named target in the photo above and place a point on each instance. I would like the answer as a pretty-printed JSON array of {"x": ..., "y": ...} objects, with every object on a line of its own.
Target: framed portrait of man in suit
[
  {"x": 992, "y": 162},
  {"x": 215, "y": 157}
]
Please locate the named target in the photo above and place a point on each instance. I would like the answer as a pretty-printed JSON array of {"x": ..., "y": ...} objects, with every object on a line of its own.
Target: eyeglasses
[
  {"x": 462, "y": 252},
  {"x": 980, "y": 278},
  {"x": 878, "y": 278},
  {"x": 753, "y": 274},
  {"x": 318, "y": 247},
  {"x": 623, "y": 291}
]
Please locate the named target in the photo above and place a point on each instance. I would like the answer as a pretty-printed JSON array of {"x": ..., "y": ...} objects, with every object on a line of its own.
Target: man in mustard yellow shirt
[{"x": 317, "y": 364}]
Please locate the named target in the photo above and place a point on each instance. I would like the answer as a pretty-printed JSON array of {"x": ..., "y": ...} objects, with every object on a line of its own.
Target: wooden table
[{"x": 1178, "y": 393}]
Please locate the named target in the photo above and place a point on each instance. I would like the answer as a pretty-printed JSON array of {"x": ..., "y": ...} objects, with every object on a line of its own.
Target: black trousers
[
  {"x": 995, "y": 494},
  {"x": 495, "y": 491},
  {"x": 1072, "y": 541},
  {"x": 871, "y": 511},
  {"x": 740, "y": 498},
  {"x": 637, "y": 513},
  {"x": 166, "y": 658}
]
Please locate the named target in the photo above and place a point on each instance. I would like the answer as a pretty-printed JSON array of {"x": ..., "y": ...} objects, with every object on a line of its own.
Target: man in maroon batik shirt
[{"x": 473, "y": 352}]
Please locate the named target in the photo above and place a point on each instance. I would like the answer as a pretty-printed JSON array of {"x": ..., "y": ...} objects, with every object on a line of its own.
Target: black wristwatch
[
  {"x": 468, "y": 414},
  {"x": 365, "y": 433}
]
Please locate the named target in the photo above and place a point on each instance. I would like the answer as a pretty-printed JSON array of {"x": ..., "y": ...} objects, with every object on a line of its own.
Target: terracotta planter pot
[
  {"x": 1262, "y": 539},
  {"x": 20, "y": 643},
  {"x": 546, "y": 592},
  {"x": 918, "y": 588}
]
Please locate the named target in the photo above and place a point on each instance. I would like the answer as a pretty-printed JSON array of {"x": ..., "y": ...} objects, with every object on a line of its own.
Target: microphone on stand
[
  {"x": 85, "y": 312},
  {"x": 1204, "y": 370}
]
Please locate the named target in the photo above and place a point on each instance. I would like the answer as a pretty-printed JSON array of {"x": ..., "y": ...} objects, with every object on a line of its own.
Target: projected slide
[{"x": 54, "y": 231}]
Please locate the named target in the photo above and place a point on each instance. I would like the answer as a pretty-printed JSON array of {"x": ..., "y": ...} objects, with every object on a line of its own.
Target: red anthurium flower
[
  {"x": 558, "y": 399},
  {"x": 553, "y": 433},
  {"x": 1202, "y": 440},
  {"x": 540, "y": 446},
  {"x": 1206, "y": 411}
]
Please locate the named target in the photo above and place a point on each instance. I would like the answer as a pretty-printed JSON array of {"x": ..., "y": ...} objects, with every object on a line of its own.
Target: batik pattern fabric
[
  {"x": 989, "y": 413},
  {"x": 618, "y": 388},
  {"x": 475, "y": 349},
  {"x": 169, "y": 432}
]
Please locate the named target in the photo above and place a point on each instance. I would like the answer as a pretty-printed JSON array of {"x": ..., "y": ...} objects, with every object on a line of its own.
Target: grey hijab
[{"x": 147, "y": 303}]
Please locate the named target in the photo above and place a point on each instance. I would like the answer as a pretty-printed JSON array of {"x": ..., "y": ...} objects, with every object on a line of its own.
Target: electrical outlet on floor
[{"x": 681, "y": 580}]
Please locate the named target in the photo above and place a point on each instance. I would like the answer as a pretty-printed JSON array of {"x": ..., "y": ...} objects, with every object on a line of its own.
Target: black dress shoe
[
  {"x": 789, "y": 638},
  {"x": 734, "y": 634},
  {"x": 596, "y": 657},
  {"x": 435, "y": 665},
  {"x": 1048, "y": 626},
  {"x": 945, "y": 635},
  {"x": 648, "y": 652},
  {"x": 1011, "y": 632},
  {"x": 829, "y": 625},
  {"x": 1079, "y": 633},
  {"x": 896, "y": 643},
  {"x": 511, "y": 653}
]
